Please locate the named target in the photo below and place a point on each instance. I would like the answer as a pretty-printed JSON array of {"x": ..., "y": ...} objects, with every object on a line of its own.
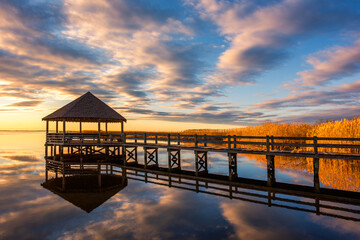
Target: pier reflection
[{"x": 85, "y": 193}]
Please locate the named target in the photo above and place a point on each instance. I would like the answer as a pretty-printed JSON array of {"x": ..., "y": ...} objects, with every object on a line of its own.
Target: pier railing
[{"x": 264, "y": 144}]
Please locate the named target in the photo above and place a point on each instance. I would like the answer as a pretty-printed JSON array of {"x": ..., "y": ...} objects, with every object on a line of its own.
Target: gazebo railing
[{"x": 78, "y": 138}]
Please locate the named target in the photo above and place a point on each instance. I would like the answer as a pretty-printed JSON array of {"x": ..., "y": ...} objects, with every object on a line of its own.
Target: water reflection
[
  {"x": 84, "y": 192},
  {"x": 152, "y": 211}
]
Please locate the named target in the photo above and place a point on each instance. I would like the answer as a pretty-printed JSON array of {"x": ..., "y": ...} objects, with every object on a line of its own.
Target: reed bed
[{"x": 337, "y": 129}]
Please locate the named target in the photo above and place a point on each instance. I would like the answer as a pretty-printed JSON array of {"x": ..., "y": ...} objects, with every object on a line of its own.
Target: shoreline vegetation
[
  {"x": 337, "y": 129},
  {"x": 343, "y": 129}
]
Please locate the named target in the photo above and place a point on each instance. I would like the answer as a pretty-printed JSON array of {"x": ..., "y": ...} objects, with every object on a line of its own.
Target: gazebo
[
  {"x": 83, "y": 152},
  {"x": 86, "y": 108}
]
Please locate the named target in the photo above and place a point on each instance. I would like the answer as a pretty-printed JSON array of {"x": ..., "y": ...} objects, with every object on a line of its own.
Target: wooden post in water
[
  {"x": 270, "y": 170},
  {"x": 232, "y": 166},
  {"x": 316, "y": 175}
]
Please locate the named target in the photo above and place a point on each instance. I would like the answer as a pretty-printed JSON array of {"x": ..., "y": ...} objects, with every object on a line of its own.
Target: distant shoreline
[{"x": 22, "y": 130}]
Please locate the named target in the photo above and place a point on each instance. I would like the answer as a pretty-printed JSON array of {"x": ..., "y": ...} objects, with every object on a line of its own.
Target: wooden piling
[
  {"x": 270, "y": 170},
  {"x": 316, "y": 175}
]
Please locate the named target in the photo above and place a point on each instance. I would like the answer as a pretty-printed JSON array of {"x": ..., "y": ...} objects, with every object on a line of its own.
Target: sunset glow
[{"x": 175, "y": 65}]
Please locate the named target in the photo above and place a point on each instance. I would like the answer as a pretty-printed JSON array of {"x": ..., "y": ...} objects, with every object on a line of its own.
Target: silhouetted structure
[{"x": 68, "y": 153}]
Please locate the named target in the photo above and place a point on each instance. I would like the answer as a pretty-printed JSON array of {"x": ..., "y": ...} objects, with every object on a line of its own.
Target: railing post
[
  {"x": 205, "y": 140},
  {"x": 196, "y": 140},
  {"x": 169, "y": 139},
  {"x": 229, "y": 141},
  {"x": 145, "y": 138},
  {"x": 267, "y": 143},
  {"x": 272, "y": 142},
  {"x": 156, "y": 138},
  {"x": 178, "y": 138},
  {"x": 315, "y": 145},
  {"x": 234, "y": 138}
]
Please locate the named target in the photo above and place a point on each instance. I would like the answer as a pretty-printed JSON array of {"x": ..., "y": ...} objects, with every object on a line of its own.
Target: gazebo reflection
[{"x": 84, "y": 192}]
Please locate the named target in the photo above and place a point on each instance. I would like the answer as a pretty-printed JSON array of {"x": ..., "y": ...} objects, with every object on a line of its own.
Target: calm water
[{"x": 150, "y": 211}]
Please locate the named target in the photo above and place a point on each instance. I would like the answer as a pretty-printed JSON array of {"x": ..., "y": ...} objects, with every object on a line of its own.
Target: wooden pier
[{"x": 122, "y": 149}]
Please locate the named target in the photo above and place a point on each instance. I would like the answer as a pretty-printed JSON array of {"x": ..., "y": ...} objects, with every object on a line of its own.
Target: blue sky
[{"x": 182, "y": 64}]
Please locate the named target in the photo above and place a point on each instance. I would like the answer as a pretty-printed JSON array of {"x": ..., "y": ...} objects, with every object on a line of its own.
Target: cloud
[
  {"x": 343, "y": 95},
  {"x": 258, "y": 36},
  {"x": 223, "y": 116},
  {"x": 331, "y": 64},
  {"x": 25, "y": 104},
  {"x": 23, "y": 158},
  {"x": 125, "y": 51},
  {"x": 332, "y": 114}
]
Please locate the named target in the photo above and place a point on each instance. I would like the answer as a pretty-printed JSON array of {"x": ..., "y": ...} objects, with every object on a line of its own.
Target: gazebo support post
[
  {"x": 99, "y": 130},
  {"x": 106, "y": 127},
  {"x": 80, "y": 127},
  {"x": 122, "y": 127},
  {"x": 64, "y": 130},
  {"x": 57, "y": 127}
]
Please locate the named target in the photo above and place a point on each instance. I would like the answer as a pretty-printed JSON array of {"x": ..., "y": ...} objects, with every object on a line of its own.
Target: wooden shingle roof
[{"x": 86, "y": 108}]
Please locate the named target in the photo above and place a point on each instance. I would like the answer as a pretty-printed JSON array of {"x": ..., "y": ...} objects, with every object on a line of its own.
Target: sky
[{"x": 174, "y": 65}]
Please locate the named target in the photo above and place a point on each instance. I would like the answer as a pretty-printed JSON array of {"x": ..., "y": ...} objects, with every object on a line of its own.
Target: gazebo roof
[{"x": 87, "y": 108}]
